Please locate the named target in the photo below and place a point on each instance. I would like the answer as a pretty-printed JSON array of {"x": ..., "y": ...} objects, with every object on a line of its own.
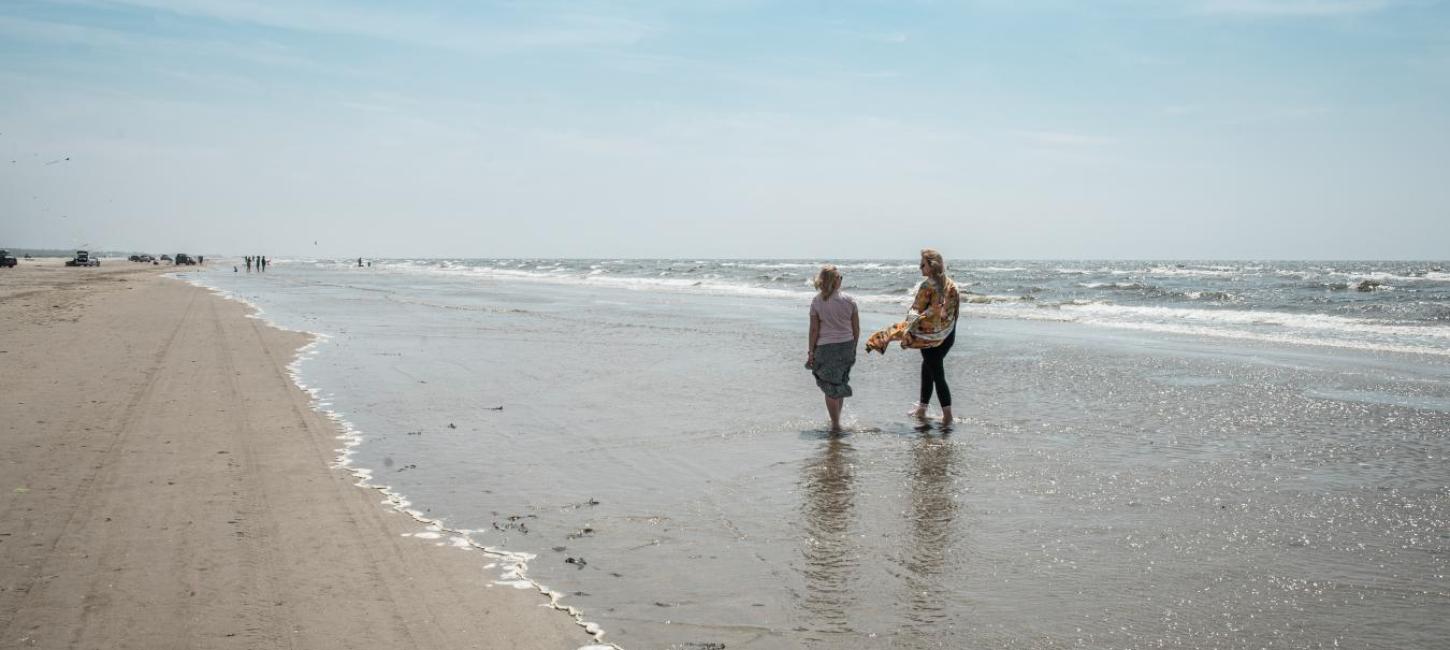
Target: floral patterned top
[{"x": 933, "y": 315}]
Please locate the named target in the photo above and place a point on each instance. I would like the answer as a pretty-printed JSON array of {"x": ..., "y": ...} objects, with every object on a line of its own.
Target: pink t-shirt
[{"x": 835, "y": 314}]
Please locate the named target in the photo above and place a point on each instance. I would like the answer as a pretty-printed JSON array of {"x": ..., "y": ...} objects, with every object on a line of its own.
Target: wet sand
[{"x": 163, "y": 484}]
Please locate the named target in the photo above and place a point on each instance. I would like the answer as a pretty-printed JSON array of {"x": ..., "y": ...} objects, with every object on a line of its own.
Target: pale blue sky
[{"x": 986, "y": 128}]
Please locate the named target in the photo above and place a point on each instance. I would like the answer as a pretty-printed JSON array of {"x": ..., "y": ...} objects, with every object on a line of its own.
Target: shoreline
[
  {"x": 169, "y": 484},
  {"x": 515, "y": 564}
]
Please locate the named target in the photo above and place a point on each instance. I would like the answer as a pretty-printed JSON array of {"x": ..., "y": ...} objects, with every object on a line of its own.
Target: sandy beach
[{"x": 164, "y": 484}]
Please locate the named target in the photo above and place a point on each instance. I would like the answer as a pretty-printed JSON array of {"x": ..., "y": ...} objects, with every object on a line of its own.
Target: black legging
[{"x": 932, "y": 372}]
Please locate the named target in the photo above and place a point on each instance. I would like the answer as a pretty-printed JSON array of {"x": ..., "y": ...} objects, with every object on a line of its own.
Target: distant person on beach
[
  {"x": 930, "y": 326},
  {"x": 835, "y": 330},
  {"x": 359, "y": 262},
  {"x": 249, "y": 263}
]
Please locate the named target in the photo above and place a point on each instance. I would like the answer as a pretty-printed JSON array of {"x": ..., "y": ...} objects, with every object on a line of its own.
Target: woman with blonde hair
[
  {"x": 835, "y": 329},
  {"x": 930, "y": 326}
]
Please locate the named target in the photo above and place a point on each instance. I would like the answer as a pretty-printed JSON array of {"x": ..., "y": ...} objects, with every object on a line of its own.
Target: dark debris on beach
[{"x": 513, "y": 522}]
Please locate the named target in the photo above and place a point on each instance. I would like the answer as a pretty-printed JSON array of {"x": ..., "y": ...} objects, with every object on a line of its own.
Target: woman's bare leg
[{"x": 833, "y": 408}]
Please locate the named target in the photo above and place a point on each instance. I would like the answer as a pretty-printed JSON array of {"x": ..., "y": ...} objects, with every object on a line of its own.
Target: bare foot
[
  {"x": 919, "y": 412},
  {"x": 946, "y": 415}
]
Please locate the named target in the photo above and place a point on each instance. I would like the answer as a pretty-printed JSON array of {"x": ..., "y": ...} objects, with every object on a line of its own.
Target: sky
[{"x": 989, "y": 129}]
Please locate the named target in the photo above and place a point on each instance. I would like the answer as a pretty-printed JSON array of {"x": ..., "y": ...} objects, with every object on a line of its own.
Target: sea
[{"x": 1176, "y": 454}]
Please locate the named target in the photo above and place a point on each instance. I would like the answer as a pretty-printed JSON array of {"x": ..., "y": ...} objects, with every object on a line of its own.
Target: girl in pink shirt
[{"x": 835, "y": 331}]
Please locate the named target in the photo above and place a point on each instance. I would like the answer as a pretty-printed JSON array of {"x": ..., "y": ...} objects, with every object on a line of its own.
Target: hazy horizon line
[{"x": 103, "y": 251}]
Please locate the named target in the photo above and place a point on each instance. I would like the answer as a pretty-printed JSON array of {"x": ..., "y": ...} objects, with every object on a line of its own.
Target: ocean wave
[
  {"x": 1190, "y": 271},
  {"x": 1386, "y": 277},
  {"x": 770, "y": 265},
  {"x": 1216, "y": 296},
  {"x": 1155, "y": 291},
  {"x": 992, "y": 269},
  {"x": 988, "y": 299},
  {"x": 662, "y": 281},
  {"x": 1265, "y": 337},
  {"x": 1322, "y": 322},
  {"x": 1279, "y": 327},
  {"x": 1126, "y": 286}
]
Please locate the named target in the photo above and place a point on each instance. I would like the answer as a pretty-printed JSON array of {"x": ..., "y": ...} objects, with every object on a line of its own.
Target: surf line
[{"x": 515, "y": 564}]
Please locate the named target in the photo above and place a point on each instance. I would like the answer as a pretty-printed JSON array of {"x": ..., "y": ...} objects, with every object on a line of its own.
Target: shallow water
[{"x": 1104, "y": 487}]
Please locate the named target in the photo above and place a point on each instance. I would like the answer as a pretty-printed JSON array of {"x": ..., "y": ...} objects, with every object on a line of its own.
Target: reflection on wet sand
[
  {"x": 830, "y": 552},
  {"x": 832, "y": 545},
  {"x": 932, "y": 514}
]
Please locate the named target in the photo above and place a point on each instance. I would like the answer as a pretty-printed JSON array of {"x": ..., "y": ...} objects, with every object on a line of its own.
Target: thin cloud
[
  {"x": 887, "y": 38},
  {"x": 1274, "y": 114},
  {"x": 1064, "y": 139},
  {"x": 105, "y": 38},
  {"x": 416, "y": 28},
  {"x": 1291, "y": 8}
]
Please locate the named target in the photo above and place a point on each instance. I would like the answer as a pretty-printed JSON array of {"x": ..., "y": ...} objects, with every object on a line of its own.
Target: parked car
[
  {"x": 141, "y": 258},
  {"x": 166, "y": 258},
  {"x": 6, "y": 260},
  {"x": 83, "y": 258},
  {"x": 183, "y": 258}
]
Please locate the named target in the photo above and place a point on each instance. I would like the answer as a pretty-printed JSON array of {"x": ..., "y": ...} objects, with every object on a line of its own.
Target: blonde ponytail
[{"x": 828, "y": 281}]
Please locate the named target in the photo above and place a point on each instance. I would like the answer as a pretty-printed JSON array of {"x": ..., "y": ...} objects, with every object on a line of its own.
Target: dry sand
[{"x": 163, "y": 484}]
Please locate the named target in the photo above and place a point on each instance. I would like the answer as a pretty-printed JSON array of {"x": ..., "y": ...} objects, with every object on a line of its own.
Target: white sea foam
[
  {"x": 1317, "y": 322},
  {"x": 1190, "y": 271},
  {"x": 1275, "y": 327},
  {"x": 704, "y": 283},
  {"x": 1388, "y": 278},
  {"x": 1111, "y": 285},
  {"x": 995, "y": 269}
]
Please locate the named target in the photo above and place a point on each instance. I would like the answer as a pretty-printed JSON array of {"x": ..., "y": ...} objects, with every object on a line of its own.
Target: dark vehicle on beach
[
  {"x": 6, "y": 260},
  {"x": 166, "y": 258},
  {"x": 183, "y": 258},
  {"x": 141, "y": 258},
  {"x": 83, "y": 258}
]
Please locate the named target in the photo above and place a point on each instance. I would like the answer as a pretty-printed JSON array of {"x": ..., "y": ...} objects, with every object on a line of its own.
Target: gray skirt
[{"x": 833, "y": 368}]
